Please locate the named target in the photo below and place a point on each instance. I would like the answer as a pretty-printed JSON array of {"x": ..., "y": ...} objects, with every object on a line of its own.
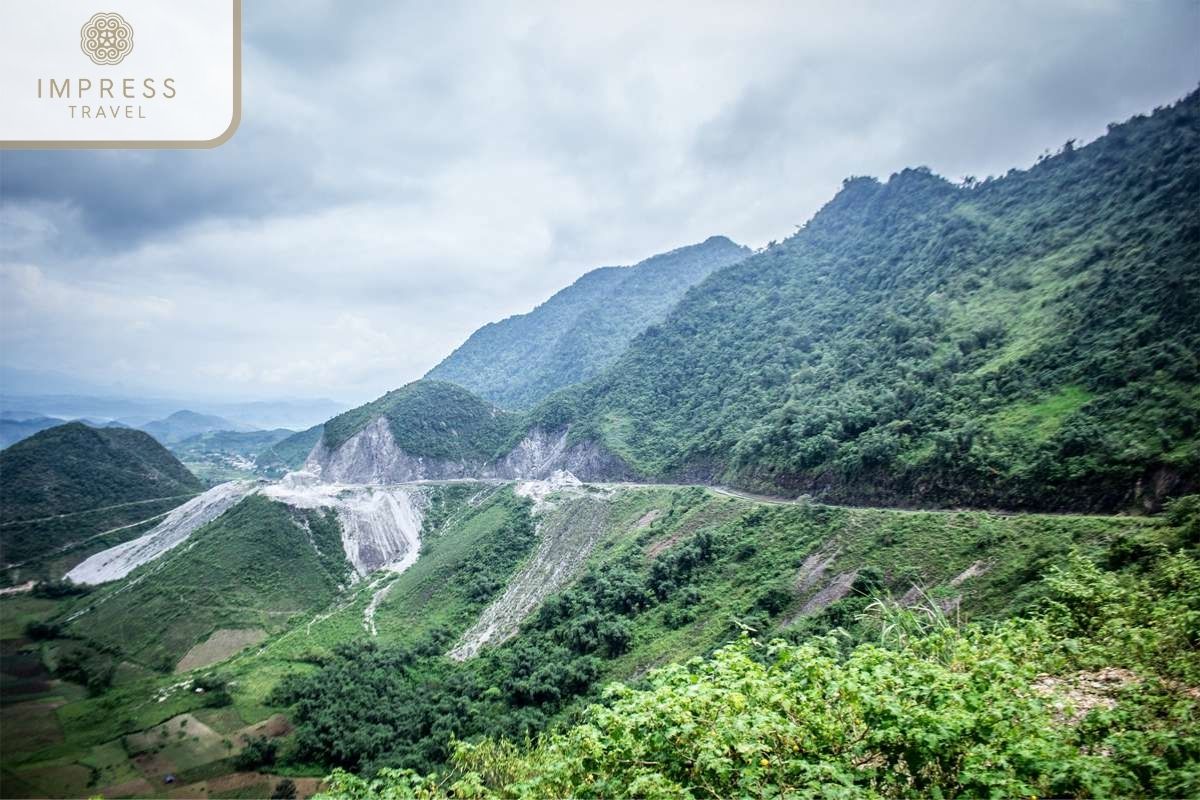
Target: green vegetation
[
  {"x": 289, "y": 453},
  {"x": 67, "y": 484},
  {"x": 1093, "y": 695},
  {"x": 410, "y": 694},
  {"x": 435, "y": 420},
  {"x": 219, "y": 456},
  {"x": 1029, "y": 341},
  {"x": 73, "y": 468},
  {"x": 675, "y": 573},
  {"x": 691, "y": 579},
  {"x": 261, "y": 565},
  {"x": 580, "y": 330}
]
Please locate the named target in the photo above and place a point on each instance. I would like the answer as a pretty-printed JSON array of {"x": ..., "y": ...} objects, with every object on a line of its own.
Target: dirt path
[
  {"x": 72, "y": 545},
  {"x": 98, "y": 508}
]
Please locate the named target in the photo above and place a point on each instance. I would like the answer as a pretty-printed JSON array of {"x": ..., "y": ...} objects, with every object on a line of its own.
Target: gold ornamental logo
[{"x": 106, "y": 38}]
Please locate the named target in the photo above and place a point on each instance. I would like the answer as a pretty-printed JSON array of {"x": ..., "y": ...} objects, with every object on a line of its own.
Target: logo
[
  {"x": 183, "y": 88},
  {"x": 106, "y": 38}
]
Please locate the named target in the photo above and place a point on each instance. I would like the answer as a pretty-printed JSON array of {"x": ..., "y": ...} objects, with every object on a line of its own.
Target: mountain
[
  {"x": 14, "y": 430},
  {"x": 250, "y": 572},
  {"x": 61, "y": 485},
  {"x": 581, "y": 329},
  {"x": 219, "y": 455},
  {"x": 293, "y": 413},
  {"x": 289, "y": 453},
  {"x": 1027, "y": 341},
  {"x": 14, "y": 427},
  {"x": 432, "y": 430},
  {"x": 183, "y": 424},
  {"x": 1006, "y": 343}
]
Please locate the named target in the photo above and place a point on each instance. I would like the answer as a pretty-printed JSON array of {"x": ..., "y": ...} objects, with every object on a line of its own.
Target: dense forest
[
  {"x": 1024, "y": 341},
  {"x": 434, "y": 419}
]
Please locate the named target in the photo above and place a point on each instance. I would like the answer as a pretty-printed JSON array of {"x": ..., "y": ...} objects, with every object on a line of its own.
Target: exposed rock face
[
  {"x": 381, "y": 528},
  {"x": 838, "y": 588},
  {"x": 570, "y": 521},
  {"x": 117, "y": 562},
  {"x": 372, "y": 457}
]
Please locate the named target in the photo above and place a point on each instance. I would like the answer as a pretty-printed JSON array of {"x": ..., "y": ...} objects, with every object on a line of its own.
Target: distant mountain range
[
  {"x": 184, "y": 424},
  {"x": 294, "y": 414},
  {"x": 15, "y": 427}
]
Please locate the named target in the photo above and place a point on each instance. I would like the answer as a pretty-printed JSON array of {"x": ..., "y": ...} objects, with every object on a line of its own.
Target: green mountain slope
[
  {"x": 672, "y": 573},
  {"x": 289, "y": 453},
  {"x": 667, "y": 573},
  {"x": 1090, "y": 695},
  {"x": 1030, "y": 341},
  {"x": 101, "y": 477},
  {"x": 260, "y": 566},
  {"x": 433, "y": 419},
  {"x": 581, "y": 329}
]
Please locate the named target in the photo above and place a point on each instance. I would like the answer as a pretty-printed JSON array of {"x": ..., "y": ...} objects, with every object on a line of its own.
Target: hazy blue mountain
[
  {"x": 580, "y": 330},
  {"x": 14, "y": 430},
  {"x": 184, "y": 424}
]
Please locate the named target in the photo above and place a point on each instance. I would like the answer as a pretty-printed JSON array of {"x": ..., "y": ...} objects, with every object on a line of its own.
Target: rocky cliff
[{"x": 372, "y": 456}]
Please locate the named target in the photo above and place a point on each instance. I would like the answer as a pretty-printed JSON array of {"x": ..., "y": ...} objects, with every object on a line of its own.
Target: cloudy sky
[{"x": 403, "y": 175}]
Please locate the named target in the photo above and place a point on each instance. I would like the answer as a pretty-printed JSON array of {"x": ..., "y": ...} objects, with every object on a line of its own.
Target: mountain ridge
[
  {"x": 1000, "y": 344},
  {"x": 581, "y": 329}
]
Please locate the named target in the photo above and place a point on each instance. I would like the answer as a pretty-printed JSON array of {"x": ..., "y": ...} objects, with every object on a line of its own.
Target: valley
[{"x": 689, "y": 567}]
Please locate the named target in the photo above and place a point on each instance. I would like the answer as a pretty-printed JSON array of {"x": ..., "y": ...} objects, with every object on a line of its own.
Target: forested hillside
[
  {"x": 1091, "y": 694},
  {"x": 289, "y": 453},
  {"x": 1026, "y": 341},
  {"x": 581, "y": 329},
  {"x": 434, "y": 419},
  {"x": 61, "y": 485},
  {"x": 670, "y": 574}
]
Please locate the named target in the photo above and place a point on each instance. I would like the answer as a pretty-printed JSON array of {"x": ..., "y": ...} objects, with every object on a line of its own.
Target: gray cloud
[{"x": 404, "y": 174}]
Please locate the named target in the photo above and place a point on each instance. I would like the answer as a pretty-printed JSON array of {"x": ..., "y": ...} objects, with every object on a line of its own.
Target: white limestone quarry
[
  {"x": 372, "y": 456},
  {"x": 381, "y": 525},
  {"x": 117, "y": 562},
  {"x": 539, "y": 491}
]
